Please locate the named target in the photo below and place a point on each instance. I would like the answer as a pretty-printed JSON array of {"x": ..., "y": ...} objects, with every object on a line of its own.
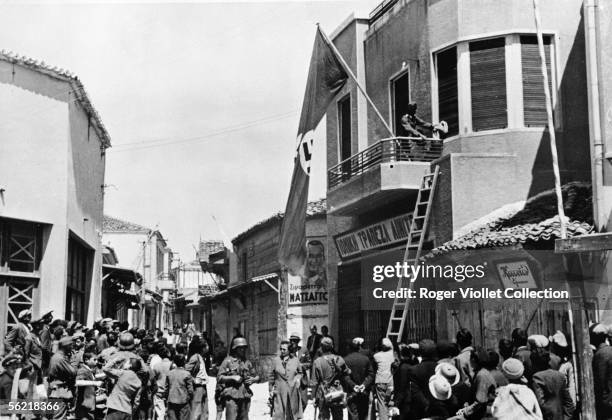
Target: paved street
[{"x": 259, "y": 403}]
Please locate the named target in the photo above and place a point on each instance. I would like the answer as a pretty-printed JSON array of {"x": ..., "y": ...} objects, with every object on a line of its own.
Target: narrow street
[{"x": 259, "y": 402}]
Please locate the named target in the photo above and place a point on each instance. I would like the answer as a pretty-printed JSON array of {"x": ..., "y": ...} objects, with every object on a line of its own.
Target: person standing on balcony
[{"x": 413, "y": 124}]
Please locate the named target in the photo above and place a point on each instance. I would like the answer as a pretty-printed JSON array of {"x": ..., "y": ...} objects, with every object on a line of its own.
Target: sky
[{"x": 201, "y": 101}]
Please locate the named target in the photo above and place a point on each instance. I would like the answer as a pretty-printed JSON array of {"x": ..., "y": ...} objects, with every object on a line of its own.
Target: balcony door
[
  {"x": 344, "y": 134},
  {"x": 400, "y": 98}
]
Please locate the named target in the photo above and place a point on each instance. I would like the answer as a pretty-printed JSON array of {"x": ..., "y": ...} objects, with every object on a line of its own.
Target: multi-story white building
[{"x": 52, "y": 163}]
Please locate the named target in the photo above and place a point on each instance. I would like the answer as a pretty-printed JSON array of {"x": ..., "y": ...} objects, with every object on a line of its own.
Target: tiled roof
[
  {"x": 66, "y": 76},
  {"x": 112, "y": 224},
  {"x": 314, "y": 209},
  {"x": 537, "y": 221}
]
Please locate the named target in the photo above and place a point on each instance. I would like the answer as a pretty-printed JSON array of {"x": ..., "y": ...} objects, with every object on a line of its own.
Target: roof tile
[{"x": 537, "y": 221}]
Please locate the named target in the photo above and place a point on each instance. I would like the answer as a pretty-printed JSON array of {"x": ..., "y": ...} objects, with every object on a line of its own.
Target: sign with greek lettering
[
  {"x": 516, "y": 275},
  {"x": 374, "y": 236}
]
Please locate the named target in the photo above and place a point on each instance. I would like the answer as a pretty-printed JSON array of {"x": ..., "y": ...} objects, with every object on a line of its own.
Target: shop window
[
  {"x": 448, "y": 106},
  {"x": 534, "y": 102},
  {"x": 80, "y": 260},
  {"x": 20, "y": 245},
  {"x": 400, "y": 98},
  {"x": 488, "y": 84}
]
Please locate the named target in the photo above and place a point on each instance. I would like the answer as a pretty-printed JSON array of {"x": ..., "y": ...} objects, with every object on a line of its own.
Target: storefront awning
[{"x": 124, "y": 275}]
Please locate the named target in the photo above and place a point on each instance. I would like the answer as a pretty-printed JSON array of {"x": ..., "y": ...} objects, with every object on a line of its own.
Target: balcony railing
[{"x": 397, "y": 149}]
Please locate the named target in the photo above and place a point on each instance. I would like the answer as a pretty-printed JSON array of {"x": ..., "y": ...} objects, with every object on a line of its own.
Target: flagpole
[
  {"x": 550, "y": 122},
  {"x": 348, "y": 70}
]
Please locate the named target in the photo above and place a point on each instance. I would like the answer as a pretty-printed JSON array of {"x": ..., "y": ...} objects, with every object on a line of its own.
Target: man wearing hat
[
  {"x": 383, "y": 381},
  {"x": 35, "y": 355},
  {"x": 560, "y": 347},
  {"x": 422, "y": 372},
  {"x": 329, "y": 372},
  {"x": 522, "y": 352},
  {"x": 125, "y": 352},
  {"x": 539, "y": 341},
  {"x": 62, "y": 376},
  {"x": 105, "y": 326},
  {"x": 359, "y": 381},
  {"x": 305, "y": 363},
  {"x": 313, "y": 342},
  {"x": 20, "y": 334},
  {"x": 602, "y": 366},
  {"x": 236, "y": 374},
  {"x": 515, "y": 400},
  {"x": 9, "y": 389},
  {"x": 46, "y": 339}
]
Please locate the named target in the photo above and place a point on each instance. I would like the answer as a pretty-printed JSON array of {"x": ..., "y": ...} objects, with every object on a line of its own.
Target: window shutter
[
  {"x": 488, "y": 80},
  {"x": 534, "y": 102},
  {"x": 448, "y": 108}
]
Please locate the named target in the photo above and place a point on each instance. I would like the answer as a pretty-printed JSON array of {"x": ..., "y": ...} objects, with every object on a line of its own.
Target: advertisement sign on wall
[{"x": 310, "y": 287}]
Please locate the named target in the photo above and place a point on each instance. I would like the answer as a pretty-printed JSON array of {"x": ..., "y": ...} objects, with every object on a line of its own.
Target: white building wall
[{"x": 52, "y": 173}]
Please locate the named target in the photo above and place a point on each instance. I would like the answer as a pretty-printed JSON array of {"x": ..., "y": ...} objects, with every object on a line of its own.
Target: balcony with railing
[{"x": 382, "y": 171}]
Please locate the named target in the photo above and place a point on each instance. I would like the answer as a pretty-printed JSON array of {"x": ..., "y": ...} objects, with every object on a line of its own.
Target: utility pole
[
  {"x": 143, "y": 287},
  {"x": 597, "y": 247}
]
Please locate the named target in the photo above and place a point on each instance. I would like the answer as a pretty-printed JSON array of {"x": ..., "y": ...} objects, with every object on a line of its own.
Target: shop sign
[
  {"x": 516, "y": 275},
  {"x": 383, "y": 233}
]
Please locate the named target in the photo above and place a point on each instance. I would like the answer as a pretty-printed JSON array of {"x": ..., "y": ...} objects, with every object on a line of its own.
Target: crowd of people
[
  {"x": 526, "y": 377},
  {"x": 115, "y": 372}
]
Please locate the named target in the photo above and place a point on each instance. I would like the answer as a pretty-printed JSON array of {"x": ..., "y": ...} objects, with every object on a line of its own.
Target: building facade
[
  {"x": 192, "y": 284},
  {"x": 52, "y": 163},
  {"x": 260, "y": 302},
  {"x": 475, "y": 65},
  {"x": 145, "y": 251}
]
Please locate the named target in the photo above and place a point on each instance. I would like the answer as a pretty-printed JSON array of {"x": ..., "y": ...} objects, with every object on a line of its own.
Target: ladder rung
[{"x": 397, "y": 318}]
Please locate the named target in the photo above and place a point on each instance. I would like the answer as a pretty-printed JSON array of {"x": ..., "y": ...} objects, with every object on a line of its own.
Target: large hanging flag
[{"x": 326, "y": 76}]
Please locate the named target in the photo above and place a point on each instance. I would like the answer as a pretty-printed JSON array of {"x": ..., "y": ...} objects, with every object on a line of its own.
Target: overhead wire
[{"x": 139, "y": 145}]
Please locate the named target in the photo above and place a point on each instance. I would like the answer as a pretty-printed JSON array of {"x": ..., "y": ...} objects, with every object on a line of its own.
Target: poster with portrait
[{"x": 310, "y": 287}]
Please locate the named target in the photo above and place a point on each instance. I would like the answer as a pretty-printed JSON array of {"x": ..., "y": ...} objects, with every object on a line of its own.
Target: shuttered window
[
  {"x": 448, "y": 108},
  {"x": 488, "y": 81},
  {"x": 534, "y": 103}
]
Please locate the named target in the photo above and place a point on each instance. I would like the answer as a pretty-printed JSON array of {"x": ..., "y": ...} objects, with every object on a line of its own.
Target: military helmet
[
  {"x": 239, "y": 342},
  {"x": 126, "y": 341}
]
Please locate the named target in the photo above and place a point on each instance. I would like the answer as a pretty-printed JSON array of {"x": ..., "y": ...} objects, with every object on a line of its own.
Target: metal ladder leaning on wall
[{"x": 416, "y": 237}]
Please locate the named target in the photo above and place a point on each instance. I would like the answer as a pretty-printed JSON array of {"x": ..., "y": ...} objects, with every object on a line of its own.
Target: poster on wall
[{"x": 310, "y": 287}]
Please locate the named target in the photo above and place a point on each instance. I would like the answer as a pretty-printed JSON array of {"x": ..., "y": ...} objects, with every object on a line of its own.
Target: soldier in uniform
[
  {"x": 329, "y": 372},
  {"x": 236, "y": 375},
  {"x": 62, "y": 376},
  {"x": 126, "y": 353}
]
